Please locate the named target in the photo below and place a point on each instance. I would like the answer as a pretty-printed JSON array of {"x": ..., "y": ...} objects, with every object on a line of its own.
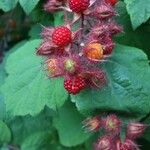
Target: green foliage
[
  {"x": 139, "y": 11},
  {"x": 5, "y": 133},
  {"x": 28, "y": 5},
  {"x": 7, "y": 5},
  {"x": 36, "y": 141},
  {"x": 68, "y": 122},
  {"x": 29, "y": 89},
  {"x": 135, "y": 38},
  {"x": 24, "y": 127}
]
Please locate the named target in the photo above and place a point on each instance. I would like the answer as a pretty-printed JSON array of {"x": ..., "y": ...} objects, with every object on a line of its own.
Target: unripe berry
[
  {"x": 79, "y": 6},
  {"x": 62, "y": 36},
  {"x": 70, "y": 65},
  {"x": 94, "y": 51}
]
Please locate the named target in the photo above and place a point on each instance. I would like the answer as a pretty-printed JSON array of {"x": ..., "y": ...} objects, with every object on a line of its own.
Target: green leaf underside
[
  {"x": 139, "y": 11},
  {"x": 5, "y": 134},
  {"x": 127, "y": 90},
  {"x": 27, "y": 89},
  {"x": 28, "y": 5},
  {"x": 69, "y": 126}
]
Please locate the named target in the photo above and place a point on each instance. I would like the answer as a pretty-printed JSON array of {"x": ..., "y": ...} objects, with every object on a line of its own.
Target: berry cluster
[
  {"x": 113, "y": 127},
  {"x": 77, "y": 55}
]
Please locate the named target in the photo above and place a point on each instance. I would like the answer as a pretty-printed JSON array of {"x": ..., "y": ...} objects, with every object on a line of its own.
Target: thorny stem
[{"x": 82, "y": 26}]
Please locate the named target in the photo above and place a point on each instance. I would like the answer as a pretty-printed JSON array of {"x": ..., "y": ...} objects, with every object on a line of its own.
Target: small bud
[
  {"x": 135, "y": 130},
  {"x": 103, "y": 11},
  {"x": 112, "y": 124},
  {"x": 114, "y": 28},
  {"x": 45, "y": 48},
  {"x": 104, "y": 143},
  {"x": 92, "y": 124}
]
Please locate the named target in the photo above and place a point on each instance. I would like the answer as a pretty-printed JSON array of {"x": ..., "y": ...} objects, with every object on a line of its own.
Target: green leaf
[
  {"x": 2, "y": 104},
  {"x": 35, "y": 31},
  {"x": 4, "y": 148},
  {"x": 127, "y": 90},
  {"x": 5, "y": 134},
  {"x": 24, "y": 127},
  {"x": 135, "y": 38},
  {"x": 58, "y": 19},
  {"x": 28, "y": 5},
  {"x": 7, "y": 5},
  {"x": 69, "y": 126},
  {"x": 37, "y": 141},
  {"x": 139, "y": 11},
  {"x": 27, "y": 89}
]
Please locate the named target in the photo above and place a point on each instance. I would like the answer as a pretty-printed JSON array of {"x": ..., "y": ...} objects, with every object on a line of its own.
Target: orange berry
[{"x": 94, "y": 51}]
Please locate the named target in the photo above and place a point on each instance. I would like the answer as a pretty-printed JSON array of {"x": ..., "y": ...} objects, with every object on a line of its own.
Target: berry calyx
[
  {"x": 112, "y": 124},
  {"x": 70, "y": 65},
  {"x": 79, "y": 6},
  {"x": 94, "y": 51},
  {"x": 112, "y": 2},
  {"x": 75, "y": 85},
  {"x": 61, "y": 36},
  {"x": 92, "y": 124}
]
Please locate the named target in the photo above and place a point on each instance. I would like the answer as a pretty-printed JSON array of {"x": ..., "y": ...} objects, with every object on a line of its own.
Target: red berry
[
  {"x": 79, "y": 6},
  {"x": 112, "y": 2},
  {"x": 75, "y": 85},
  {"x": 61, "y": 36}
]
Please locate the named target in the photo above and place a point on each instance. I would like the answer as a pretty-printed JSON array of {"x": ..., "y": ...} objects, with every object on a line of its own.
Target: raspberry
[
  {"x": 112, "y": 2},
  {"x": 79, "y": 6},
  {"x": 75, "y": 85},
  {"x": 61, "y": 36}
]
